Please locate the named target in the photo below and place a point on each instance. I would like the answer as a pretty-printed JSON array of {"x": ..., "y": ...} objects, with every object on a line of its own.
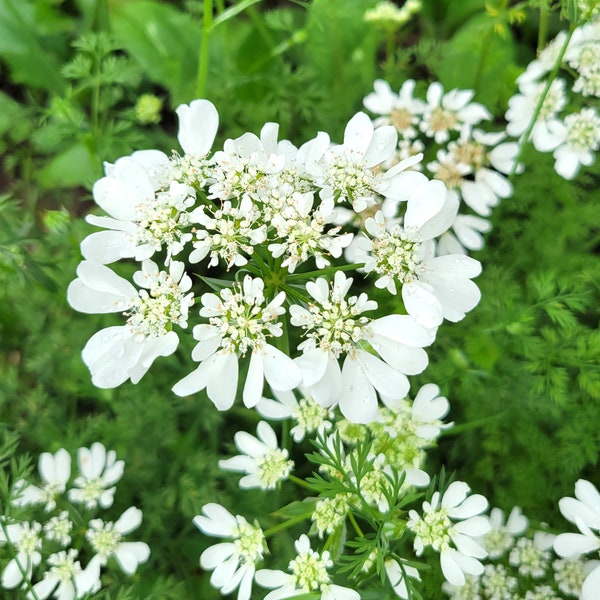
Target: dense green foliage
[{"x": 522, "y": 371}]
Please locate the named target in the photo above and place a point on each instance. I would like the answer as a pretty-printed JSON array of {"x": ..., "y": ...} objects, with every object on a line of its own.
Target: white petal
[
  {"x": 358, "y": 402},
  {"x": 198, "y": 124},
  {"x": 281, "y": 372},
  {"x": 130, "y": 554},
  {"x": 572, "y": 544}
]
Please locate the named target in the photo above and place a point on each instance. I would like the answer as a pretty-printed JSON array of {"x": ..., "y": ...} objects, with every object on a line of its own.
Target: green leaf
[
  {"x": 75, "y": 166},
  {"x": 22, "y": 48},
  {"x": 232, "y": 11},
  {"x": 163, "y": 40}
]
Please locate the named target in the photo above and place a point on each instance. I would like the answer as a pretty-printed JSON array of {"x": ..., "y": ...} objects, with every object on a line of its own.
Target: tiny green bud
[{"x": 147, "y": 109}]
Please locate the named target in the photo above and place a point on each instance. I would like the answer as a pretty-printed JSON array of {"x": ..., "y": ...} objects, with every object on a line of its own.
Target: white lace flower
[
  {"x": 233, "y": 562},
  {"x": 308, "y": 575},
  {"x": 239, "y": 322},
  {"x": 350, "y": 172},
  {"x": 264, "y": 463},
  {"x": 308, "y": 414},
  {"x": 400, "y": 110},
  {"x": 106, "y": 538},
  {"x": 501, "y": 537},
  {"x": 227, "y": 233},
  {"x": 54, "y": 470},
  {"x": 334, "y": 327},
  {"x": 583, "y": 511},
  {"x": 571, "y": 573},
  {"x": 300, "y": 232},
  {"x": 459, "y": 552},
  {"x": 143, "y": 219},
  {"x": 466, "y": 234},
  {"x": 580, "y": 137},
  {"x": 532, "y": 556},
  {"x": 198, "y": 124},
  {"x": 330, "y": 513},
  {"x": 58, "y": 528},
  {"x": 397, "y": 576},
  {"x": 66, "y": 578},
  {"x": 99, "y": 471},
  {"x": 470, "y": 590},
  {"x": 118, "y": 353},
  {"x": 448, "y": 112},
  {"x": 521, "y": 109},
  {"x": 433, "y": 288},
  {"x": 26, "y": 544},
  {"x": 498, "y": 584}
]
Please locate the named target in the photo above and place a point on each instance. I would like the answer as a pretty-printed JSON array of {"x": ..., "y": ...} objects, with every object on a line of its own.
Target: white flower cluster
[
  {"x": 47, "y": 551},
  {"x": 573, "y": 136},
  {"x": 523, "y": 564},
  {"x": 270, "y": 208},
  {"x": 471, "y": 162}
]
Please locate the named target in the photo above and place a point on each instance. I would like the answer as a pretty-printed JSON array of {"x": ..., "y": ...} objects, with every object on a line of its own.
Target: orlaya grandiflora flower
[
  {"x": 263, "y": 462},
  {"x": 335, "y": 328},
  {"x": 26, "y": 542},
  {"x": 350, "y": 171},
  {"x": 147, "y": 195},
  {"x": 583, "y": 511},
  {"x": 233, "y": 562},
  {"x": 123, "y": 352},
  {"x": 447, "y": 112},
  {"x": 400, "y": 110},
  {"x": 308, "y": 575},
  {"x": 455, "y": 541},
  {"x": 55, "y": 471},
  {"x": 239, "y": 321},
  {"x": 433, "y": 288}
]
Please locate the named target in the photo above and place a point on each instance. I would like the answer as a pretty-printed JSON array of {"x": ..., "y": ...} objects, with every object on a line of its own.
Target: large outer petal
[
  {"x": 130, "y": 554},
  {"x": 388, "y": 381},
  {"x": 198, "y": 124},
  {"x": 358, "y": 402}
]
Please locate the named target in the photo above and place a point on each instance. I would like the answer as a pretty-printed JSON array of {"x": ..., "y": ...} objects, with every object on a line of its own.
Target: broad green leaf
[
  {"x": 22, "y": 48},
  {"x": 163, "y": 40},
  {"x": 73, "y": 167}
]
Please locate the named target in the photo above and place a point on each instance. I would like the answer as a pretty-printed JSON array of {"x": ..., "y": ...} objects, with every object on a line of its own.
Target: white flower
[
  {"x": 26, "y": 542},
  {"x": 397, "y": 576},
  {"x": 58, "y": 528},
  {"x": 470, "y": 590},
  {"x": 436, "y": 529},
  {"x": 583, "y": 511},
  {"x": 308, "y": 575},
  {"x": 54, "y": 470},
  {"x": 309, "y": 415},
  {"x": 501, "y": 537},
  {"x": 349, "y": 172},
  {"x": 99, "y": 471},
  {"x": 580, "y": 139},
  {"x": 448, "y": 112},
  {"x": 571, "y": 573},
  {"x": 433, "y": 288},
  {"x": 238, "y": 323},
  {"x": 330, "y": 513},
  {"x": 428, "y": 409},
  {"x": 400, "y": 110},
  {"x": 233, "y": 562},
  {"x": 301, "y": 234},
  {"x": 532, "y": 556},
  {"x": 521, "y": 109},
  {"x": 498, "y": 584},
  {"x": 105, "y": 539},
  {"x": 66, "y": 578},
  {"x": 118, "y": 353},
  {"x": 264, "y": 463},
  {"x": 334, "y": 327},
  {"x": 142, "y": 219},
  {"x": 466, "y": 233}
]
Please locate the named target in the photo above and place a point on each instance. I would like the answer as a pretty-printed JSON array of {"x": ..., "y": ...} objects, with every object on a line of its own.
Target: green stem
[
  {"x": 202, "y": 75},
  {"x": 543, "y": 29},
  {"x": 302, "y": 483},
  {"x": 356, "y": 526},
  {"x": 482, "y": 59},
  {"x": 286, "y": 524},
  {"x": 525, "y": 137}
]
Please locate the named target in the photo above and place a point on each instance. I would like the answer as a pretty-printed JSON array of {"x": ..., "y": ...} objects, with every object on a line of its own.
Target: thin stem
[
  {"x": 525, "y": 137},
  {"x": 202, "y": 75},
  {"x": 543, "y": 29},
  {"x": 356, "y": 526},
  {"x": 286, "y": 524},
  {"x": 302, "y": 483}
]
